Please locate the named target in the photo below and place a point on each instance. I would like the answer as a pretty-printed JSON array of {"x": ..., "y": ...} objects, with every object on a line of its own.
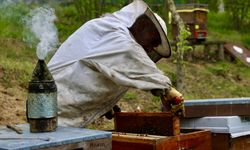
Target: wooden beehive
[
  {"x": 195, "y": 17},
  {"x": 227, "y": 119},
  {"x": 195, "y": 140},
  {"x": 155, "y": 131},
  {"x": 225, "y": 141},
  {"x": 146, "y": 123}
]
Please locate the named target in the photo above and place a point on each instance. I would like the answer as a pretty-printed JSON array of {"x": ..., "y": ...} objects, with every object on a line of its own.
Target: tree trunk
[
  {"x": 179, "y": 72},
  {"x": 165, "y": 12}
]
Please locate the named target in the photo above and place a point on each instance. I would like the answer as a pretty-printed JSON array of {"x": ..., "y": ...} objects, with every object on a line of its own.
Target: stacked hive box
[{"x": 227, "y": 119}]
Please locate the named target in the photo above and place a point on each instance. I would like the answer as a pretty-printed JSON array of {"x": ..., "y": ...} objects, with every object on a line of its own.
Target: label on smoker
[{"x": 42, "y": 105}]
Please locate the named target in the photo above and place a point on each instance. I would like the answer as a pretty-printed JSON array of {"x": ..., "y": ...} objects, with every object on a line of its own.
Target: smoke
[{"x": 41, "y": 22}]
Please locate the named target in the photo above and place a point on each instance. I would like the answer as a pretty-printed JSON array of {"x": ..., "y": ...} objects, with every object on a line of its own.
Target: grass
[
  {"x": 220, "y": 28},
  {"x": 67, "y": 21},
  {"x": 217, "y": 80},
  {"x": 17, "y": 62},
  {"x": 220, "y": 69},
  {"x": 11, "y": 17},
  {"x": 130, "y": 96}
]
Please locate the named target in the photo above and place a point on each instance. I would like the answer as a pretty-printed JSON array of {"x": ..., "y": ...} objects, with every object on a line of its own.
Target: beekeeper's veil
[{"x": 130, "y": 13}]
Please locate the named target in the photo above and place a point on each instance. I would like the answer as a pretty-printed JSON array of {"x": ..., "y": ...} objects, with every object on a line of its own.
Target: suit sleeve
[{"x": 131, "y": 68}]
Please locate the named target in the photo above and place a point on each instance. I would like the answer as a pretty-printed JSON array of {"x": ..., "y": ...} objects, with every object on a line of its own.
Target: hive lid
[
  {"x": 218, "y": 101},
  {"x": 234, "y": 125}
]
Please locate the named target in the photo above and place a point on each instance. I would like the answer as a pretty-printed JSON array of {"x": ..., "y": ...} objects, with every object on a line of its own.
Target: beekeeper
[{"x": 106, "y": 56}]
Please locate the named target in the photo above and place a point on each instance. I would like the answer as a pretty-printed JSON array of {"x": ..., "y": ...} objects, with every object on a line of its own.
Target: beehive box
[
  {"x": 146, "y": 123},
  {"x": 228, "y": 132},
  {"x": 195, "y": 17},
  {"x": 154, "y": 131}
]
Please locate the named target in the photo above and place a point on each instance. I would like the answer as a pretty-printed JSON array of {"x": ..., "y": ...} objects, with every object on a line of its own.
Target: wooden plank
[
  {"x": 132, "y": 141},
  {"x": 161, "y": 123},
  {"x": 217, "y": 110},
  {"x": 198, "y": 140},
  {"x": 176, "y": 125},
  {"x": 238, "y": 51},
  {"x": 220, "y": 141},
  {"x": 15, "y": 128},
  {"x": 241, "y": 143},
  {"x": 217, "y": 107},
  {"x": 199, "y": 111}
]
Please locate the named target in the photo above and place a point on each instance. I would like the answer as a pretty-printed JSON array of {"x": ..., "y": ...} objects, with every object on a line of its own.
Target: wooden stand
[{"x": 64, "y": 138}]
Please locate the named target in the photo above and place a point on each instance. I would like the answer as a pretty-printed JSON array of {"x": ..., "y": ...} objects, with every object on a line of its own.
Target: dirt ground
[{"x": 12, "y": 105}]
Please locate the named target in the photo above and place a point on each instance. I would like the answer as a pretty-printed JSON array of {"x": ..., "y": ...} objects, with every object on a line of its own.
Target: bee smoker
[{"x": 41, "y": 105}]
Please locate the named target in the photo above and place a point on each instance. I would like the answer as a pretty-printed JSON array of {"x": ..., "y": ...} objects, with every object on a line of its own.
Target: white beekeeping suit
[{"x": 97, "y": 64}]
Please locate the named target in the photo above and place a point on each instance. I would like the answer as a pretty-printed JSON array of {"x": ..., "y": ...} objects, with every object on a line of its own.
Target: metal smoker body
[{"x": 41, "y": 106}]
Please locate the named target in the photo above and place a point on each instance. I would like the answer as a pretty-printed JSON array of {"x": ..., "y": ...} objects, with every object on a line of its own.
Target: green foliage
[
  {"x": 239, "y": 12},
  {"x": 11, "y": 15},
  {"x": 221, "y": 69},
  {"x": 220, "y": 27},
  {"x": 183, "y": 44},
  {"x": 16, "y": 63},
  {"x": 156, "y": 99},
  {"x": 216, "y": 80},
  {"x": 168, "y": 71},
  {"x": 246, "y": 39},
  {"x": 89, "y": 9},
  {"x": 173, "y": 78},
  {"x": 212, "y": 4},
  {"x": 68, "y": 20},
  {"x": 219, "y": 22}
]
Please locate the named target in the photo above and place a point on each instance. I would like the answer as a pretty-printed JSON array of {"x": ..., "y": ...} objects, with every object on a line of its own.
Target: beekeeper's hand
[
  {"x": 173, "y": 101},
  {"x": 172, "y": 95}
]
